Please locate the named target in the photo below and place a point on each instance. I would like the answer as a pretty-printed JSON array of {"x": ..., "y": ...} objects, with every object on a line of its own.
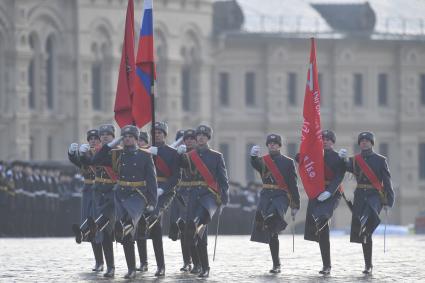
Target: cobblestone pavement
[{"x": 237, "y": 260}]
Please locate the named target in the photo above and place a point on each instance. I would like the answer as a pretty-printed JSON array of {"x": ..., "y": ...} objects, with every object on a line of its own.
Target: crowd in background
[{"x": 43, "y": 199}]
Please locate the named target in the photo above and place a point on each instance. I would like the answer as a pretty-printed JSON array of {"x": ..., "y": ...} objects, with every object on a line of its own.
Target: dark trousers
[
  {"x": 107, "y": 245},
  {"x": 156, "y": 235},
  {"x": 274, "y": 249},
  {"x": 367, "y": 252},
  {"x": 325, "y": 246},
  {"x": 130, "y": 255},
  {"x": 98, "y": 253}
]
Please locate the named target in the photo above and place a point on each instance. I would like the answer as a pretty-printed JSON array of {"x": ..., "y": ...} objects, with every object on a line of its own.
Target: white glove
[
  {"x": 324, "y": 196},
  {"x": 115, "y": 142},
  {"x": 153, "y": 150},
  {"x": 181, "y": 149},
  {"x": 159, "y": 192},
  {"x": 343, "y": 153},
  {"x": 294, "y": 212},
  {"x": 73, "y": 148},
  {"x": 255, "y": 150},
  {"x": 84, "y": 148}
]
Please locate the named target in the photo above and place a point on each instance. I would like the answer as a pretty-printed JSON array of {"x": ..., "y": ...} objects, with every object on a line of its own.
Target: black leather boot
[
  {"x": 110, "y": 272},
  {"x": 160, "y": 271},
  {"x": 98, "y": 267},
  {"x": 274, "y": 250},
  {"x": 187, "y": 267},
  {"x": 204, "y": 273},
  {"x": 367, "y": 270},
  {"x": 143, "y": 267},
  {"x": 275, "y": 269},
  {"x": 98, "y": 255},
  {"x": 196, "y": 269},
  {"x": 326, "y": 270},
  {"x": 131, "y": 274},
  {"x": 143, "y": 255},
  {"x": 367, "y": 253}
]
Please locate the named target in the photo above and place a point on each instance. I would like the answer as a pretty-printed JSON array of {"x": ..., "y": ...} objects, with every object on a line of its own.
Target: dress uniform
[
  {"x": 167, "y": 177},
  {"x": 101, "y": 226},
  {"x": 178, "y": 209},
  {"x": 320, "y": 209},
  {"x": 136, "y": 189},
  {"x": 87, "y": 199},
  {"x": 373, "y": 192},
  {"x": 279, "y": 192},
  {"x": 209, "y": 191}
]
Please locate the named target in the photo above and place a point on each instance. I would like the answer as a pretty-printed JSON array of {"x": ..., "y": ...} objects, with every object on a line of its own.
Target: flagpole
[{"x": 153, "y": 103}]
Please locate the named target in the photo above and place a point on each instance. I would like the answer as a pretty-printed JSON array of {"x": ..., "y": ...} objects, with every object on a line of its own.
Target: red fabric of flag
[
  {"x": 126, "y": 77},
  {"x": 311, "y": 162}
]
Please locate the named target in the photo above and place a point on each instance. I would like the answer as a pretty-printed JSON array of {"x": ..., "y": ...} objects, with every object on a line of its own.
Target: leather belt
[
  {"x": 365, "y": 186},
  {"x": 104, "y": 181},
  {"x": 132, "y": 184},
  {"x": 88, "y": 181},
  {"x": 273, "y": 186},
  {"x": 161, "y": 179},
  {"x": 192, "y": 184}
]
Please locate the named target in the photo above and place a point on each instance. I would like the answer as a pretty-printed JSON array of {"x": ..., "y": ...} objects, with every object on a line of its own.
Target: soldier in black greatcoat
[
  {"x": 136, "y": 190},
  {"x": 178, "y": 209},
  {"x": 101, "y": 227},
  {"x": 209, "y": 192},
  {"x": 88, "y": 200},
  {"x": 168, "y": 174},
  {"x": 373, "y": 192},
  {"x": 280, "y": 191},
  {"x": 320, "y": 209}
]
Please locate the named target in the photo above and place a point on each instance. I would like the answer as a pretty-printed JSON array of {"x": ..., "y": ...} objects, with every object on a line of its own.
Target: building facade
[{"x": 59, "y": 64}]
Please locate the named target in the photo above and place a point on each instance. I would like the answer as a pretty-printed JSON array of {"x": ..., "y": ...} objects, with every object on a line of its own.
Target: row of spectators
[{"x": 43, "y": 199}]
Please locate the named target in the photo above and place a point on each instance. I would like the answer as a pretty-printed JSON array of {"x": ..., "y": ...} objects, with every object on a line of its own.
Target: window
[
  {"x": 291, "y": 149},
  {"x": 49, "y": 148},
  {"x": 358, "y": 89},
  {"x": 186, "y": 88},
  {"x": 31, "y": 84},
  {"x": 320, "y": 79},
  {"x": 249, "y": 170},
  {"x": 383, "y": 149},
  {"x": 422, "y": 161},
  {"x": 224, "y": 88},
  {"x": 292, "y": 88},
  {"x": 422, "y": 89},
  {"x": 224, "y": 149},
  {"x": 250, "y": 89},
  {"x": 50, "y": 72},
  {"x": 383, "y": 89},
  {"x": 96, "y": 77}
]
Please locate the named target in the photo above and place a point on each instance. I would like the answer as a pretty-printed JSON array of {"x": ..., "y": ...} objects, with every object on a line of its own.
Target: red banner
[
  {"x": 125, "y": 86},
  {"x": 311, "y": 160}
]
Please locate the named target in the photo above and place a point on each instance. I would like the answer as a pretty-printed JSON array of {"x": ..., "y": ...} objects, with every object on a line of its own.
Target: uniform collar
[
  {"x": 203, "y": 148},
  {"x": 367, "y": 152},
  {"x": 159, "y": 144}
]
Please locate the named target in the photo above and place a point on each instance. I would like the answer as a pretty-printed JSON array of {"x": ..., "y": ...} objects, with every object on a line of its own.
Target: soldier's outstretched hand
[
  {"x": 343, "y": 153},
  {"x": 255, "y": 150},
  {"x": 73, "y": 148},
  {"x": 84, "y": 148},
  {"x": 153, "y": 150},
  {"x": 324, "y": 196},
  {"x": 181, "y": 149}
]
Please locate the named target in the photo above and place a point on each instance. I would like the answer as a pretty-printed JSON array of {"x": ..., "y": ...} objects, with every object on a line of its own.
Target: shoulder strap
[
  {"x": 277, "y": 175},
  {"x": 204, "y": 171},
  {"x": 368, "y": 172}
]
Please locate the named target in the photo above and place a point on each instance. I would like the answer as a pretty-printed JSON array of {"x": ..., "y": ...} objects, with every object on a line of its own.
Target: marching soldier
[
  {"x": 87, "y": 200},
  {"x": 166, "y": 165},
  {"x": 178, "y": 209},
  {"x": 373, "y": 192},
  {"x": 209, "y": 193},
  {"x": 320, "y": 210},
  {"x": 101, "y": 229},
  {"x": 136, "y": 190},
  {"x": 279, "y": 192}
]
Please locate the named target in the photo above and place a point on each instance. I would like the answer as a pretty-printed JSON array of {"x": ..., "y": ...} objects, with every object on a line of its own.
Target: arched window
[
  {"x": 190, "y": 72},
  {"x": 50, "y": 71},
  {"x": 32, "y": 79}
]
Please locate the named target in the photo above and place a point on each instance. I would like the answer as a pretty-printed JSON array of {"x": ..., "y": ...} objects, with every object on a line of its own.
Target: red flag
[
  {"x": 311, "y": 162},
  {"x": 125, "y": 86},
  {"x": 145, "y": 69}
]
